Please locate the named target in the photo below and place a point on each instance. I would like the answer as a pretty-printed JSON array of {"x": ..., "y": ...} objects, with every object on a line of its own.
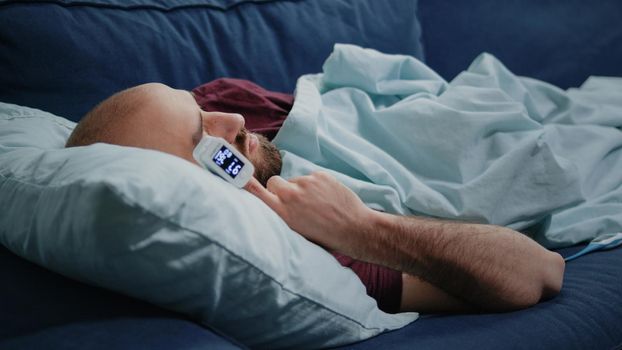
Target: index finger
[{"x": 272, "y": 200}]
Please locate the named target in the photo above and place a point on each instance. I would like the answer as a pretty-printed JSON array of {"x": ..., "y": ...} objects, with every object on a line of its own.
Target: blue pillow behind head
[{"x": 65, "y": 56}]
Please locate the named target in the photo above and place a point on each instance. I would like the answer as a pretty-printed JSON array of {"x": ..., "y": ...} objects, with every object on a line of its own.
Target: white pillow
[{"x": 155, "y": 227}]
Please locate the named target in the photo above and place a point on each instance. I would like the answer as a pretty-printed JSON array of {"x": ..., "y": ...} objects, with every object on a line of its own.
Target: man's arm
[
  {"x": 489, "y": 267},
  {"x": 424, "y": 297}
]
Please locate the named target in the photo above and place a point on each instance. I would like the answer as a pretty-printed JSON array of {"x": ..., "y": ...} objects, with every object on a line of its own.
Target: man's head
[{"x": 155, "y": 116}]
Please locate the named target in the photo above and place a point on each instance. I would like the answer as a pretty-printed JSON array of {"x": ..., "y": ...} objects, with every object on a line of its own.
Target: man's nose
[{"x": 225, "y": 125}]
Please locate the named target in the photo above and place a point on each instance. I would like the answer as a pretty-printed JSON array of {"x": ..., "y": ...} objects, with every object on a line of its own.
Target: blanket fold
[{"x": 488, "y": 147}]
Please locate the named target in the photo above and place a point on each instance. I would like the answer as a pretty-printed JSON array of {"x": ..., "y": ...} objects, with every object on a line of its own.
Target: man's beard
[{"x": 266, "y": 159}]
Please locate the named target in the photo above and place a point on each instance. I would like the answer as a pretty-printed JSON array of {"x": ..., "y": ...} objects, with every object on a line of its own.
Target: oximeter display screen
[{"x": 226, "y": 160}]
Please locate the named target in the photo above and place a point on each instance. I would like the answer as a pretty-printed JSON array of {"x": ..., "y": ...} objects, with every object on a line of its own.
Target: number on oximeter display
[
  {"x": 221, "y": 158},
  {"x": 228, "y": 162}
]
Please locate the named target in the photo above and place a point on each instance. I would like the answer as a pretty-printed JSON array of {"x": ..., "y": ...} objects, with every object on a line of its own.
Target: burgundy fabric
[
  {"x": 264, "y": 112},
  {"x": 382, "y": 283}
]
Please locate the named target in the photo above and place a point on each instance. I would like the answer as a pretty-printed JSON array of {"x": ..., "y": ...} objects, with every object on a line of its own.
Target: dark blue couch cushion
[
  {"x": 65, "y": 56},
  {"x": 562, "y": 42},
  {"x": 43, "y": 310}
]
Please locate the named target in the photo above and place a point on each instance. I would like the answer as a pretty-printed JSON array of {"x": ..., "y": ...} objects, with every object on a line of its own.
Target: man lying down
[
  {"x": 489, "y": 147},
  {"x": 407, "y": 263}
]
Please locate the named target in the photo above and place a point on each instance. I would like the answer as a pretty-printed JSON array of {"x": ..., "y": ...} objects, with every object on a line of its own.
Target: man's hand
[
  {"x": 317, "y": 206},
  {"x": 489, "y": 267}
]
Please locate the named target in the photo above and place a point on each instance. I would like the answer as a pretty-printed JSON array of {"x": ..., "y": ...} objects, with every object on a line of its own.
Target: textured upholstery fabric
[
  {"x": 561, "y": 42},
  {"x": 66, "y": 56}
]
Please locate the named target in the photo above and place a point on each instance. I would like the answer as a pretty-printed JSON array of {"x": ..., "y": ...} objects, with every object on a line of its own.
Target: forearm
[
  {"x": 490, "y": 267},
  {"x": 424, "y": 297}
]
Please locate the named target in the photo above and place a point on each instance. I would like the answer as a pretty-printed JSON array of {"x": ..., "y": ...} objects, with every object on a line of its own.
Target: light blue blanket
[{"x": 487, "y": 147}]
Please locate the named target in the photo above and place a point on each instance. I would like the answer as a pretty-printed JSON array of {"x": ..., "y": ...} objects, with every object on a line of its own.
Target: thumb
[{"x": 273, "y": 201}]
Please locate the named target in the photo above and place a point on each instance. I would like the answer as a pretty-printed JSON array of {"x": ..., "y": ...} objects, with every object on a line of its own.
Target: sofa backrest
[
  {"x": 559, "y": 41},
  {"x": 64, "y": 56}
]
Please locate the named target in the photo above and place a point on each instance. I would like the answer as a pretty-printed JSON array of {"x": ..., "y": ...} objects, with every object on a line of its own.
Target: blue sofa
[{"x": 64, "y": 56}]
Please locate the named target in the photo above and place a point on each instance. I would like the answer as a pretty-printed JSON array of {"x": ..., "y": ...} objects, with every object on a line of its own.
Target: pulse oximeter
[{"x": 220, "y": 157}]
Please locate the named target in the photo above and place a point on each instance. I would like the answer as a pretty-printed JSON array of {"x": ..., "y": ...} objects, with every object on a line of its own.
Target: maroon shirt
[{"x": 264, "y": 113}]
